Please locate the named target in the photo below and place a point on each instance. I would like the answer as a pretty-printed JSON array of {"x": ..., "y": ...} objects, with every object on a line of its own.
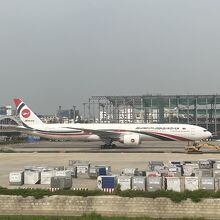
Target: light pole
[
  {"x": 74, "y": 113},
  {"x": 84, "y": 111}
]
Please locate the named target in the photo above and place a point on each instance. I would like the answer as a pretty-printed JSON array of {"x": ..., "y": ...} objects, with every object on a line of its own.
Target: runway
[{"x": 94, "y": 147}]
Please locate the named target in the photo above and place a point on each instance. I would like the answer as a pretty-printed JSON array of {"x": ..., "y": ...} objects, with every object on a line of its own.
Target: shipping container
[
  {"x": 176, "y": 162},
  {"x": 205, "y": 173},
  {"x": 217, "y": 184},
  {"x": 174, "y": 183},
  {"x": 207, "y": 183},
  {"x": 101, "y": 171},
  {"x": 73, "y": 171},
  {"x": 190, "y": 162},
  {"x": 106, "y": 182},
  {"x": 46, "y": 176},
  {"x": 56, "y": 168},
  {"x": 108, "y": 168},
  {"x": 216, "y": 173},
  {"x": 78, "y": 162},
  {"x": 130, "y": 171},
  {"x": 92, "y": 172},
  {"x": 98, "y": 170},
  {"x": 125, "y": 182},
  {"x": 205, "y": 164},
  {"x": 31, "y": 177},
  {"x": 138, "y": 183},
  {"x": 82, "y": 168},
  {"x": 61, "y": 182},
  {"x": 216, "y": 165},
  {"x": 190, "y": 169},
  {"x": 191, "y": 183},
  {"x": 175, "y": 171},
  {"x": 16, "y": 178},
  {"x": 152, "y": 173},
  {"x": 154, "y": 183},
  {"x": 152, "y": 165},
  {"x": 64, "y": 173}
]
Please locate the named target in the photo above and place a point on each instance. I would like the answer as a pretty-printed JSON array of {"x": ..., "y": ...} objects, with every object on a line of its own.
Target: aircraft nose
[{"x": 209, "y": 135}]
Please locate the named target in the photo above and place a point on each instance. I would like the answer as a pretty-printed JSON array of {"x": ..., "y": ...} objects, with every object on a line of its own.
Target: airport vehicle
[
  {"x": 196, "y": 147},
  {"x": 129, "y": 134}
]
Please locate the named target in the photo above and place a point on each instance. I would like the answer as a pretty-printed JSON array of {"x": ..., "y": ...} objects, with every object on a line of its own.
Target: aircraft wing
[{"x": 102, "y": 134}]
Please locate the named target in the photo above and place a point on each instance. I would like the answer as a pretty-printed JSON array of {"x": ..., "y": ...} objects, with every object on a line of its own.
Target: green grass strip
[
  {"x": 85, "y": 217},
  {"x": 195, "y": 196}
]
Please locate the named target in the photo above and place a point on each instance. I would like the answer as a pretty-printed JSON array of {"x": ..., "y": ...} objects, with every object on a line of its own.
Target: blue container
[
  {"x": 31, "y": 139},
  {"x": 108, "y": 182},
  {"x": 102, "y": 171}
]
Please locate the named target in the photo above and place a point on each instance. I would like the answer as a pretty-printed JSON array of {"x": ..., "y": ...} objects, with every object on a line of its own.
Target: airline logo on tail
[
  {"x": 27, "y": 117},
  {"x": 26, "y": 113}
]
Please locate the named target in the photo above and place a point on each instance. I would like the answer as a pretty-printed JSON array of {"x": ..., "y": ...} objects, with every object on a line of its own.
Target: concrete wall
[{"x": 108, "y": 205}]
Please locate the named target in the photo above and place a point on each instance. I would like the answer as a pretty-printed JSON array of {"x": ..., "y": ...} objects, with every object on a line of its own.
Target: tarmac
[{"x": 42, "y": 154}]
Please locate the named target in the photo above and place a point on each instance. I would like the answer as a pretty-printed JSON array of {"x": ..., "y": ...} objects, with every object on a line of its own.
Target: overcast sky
[{"x": 61, "y": 52}]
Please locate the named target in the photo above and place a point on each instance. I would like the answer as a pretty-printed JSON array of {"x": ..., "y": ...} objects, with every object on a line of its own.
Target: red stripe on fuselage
[
  {"x": 64, "y": 134},
  {"x": 172, "y": 136}
]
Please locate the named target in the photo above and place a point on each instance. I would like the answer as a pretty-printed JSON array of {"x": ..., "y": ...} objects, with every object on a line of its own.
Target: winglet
[{"x": 17, "y": 102}]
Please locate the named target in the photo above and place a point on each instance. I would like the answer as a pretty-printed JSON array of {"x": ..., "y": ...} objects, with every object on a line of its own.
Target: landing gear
[{"x": 108, "y": 145}]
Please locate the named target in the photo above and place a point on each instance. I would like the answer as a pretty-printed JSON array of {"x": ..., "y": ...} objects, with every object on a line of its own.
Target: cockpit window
[{"x": 205, "y": 130}]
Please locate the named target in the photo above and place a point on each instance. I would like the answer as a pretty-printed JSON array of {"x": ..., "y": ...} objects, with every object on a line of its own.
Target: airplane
[{"x": 128, "y": 134}]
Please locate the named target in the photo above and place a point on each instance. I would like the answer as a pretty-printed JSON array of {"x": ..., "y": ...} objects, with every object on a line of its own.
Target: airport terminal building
[{"x": 202, "y": 110}]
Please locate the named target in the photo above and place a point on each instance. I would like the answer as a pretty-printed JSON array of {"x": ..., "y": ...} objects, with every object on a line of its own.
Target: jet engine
[{"x": 131, "y": 139}]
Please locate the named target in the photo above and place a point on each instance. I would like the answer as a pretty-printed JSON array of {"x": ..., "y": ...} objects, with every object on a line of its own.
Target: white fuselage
[{"x": 147, "y": 132}]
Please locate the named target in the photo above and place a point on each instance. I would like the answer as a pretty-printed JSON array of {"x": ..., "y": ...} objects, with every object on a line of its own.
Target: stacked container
[{"x": 155, "y": 165}]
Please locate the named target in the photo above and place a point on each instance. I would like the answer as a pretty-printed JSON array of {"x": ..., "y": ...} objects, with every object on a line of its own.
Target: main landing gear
[{"x": 108, "y": 145}]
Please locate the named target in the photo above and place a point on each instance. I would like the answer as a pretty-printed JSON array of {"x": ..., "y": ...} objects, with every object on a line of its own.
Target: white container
[
  {"x": 205, "y": 164},
  {"x": 174, "y": 183},
  {"x": 189, "y": 169},
  {"x": 65, "y": 173},
  {"x": 191, "y": 183},
  {"x": 130, "y": 171},
  {"x": 139, "y": 183},
  {"x": 31, "y": 177},
  {"x": 216, "y": 165},
  {"x": 125, "y": 182},
  {"x": 207, "y": 183},
  {"x": 16, "y": 178},
  {"x": 82, "y": 168},
  {"x": 46, "y": 176},
  {"x": 216, "y": 173},
  {"x": 205, "y": 173}
]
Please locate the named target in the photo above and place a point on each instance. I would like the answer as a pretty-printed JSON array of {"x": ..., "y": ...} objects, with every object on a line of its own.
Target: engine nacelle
[{"x": 131, "y": 139}]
